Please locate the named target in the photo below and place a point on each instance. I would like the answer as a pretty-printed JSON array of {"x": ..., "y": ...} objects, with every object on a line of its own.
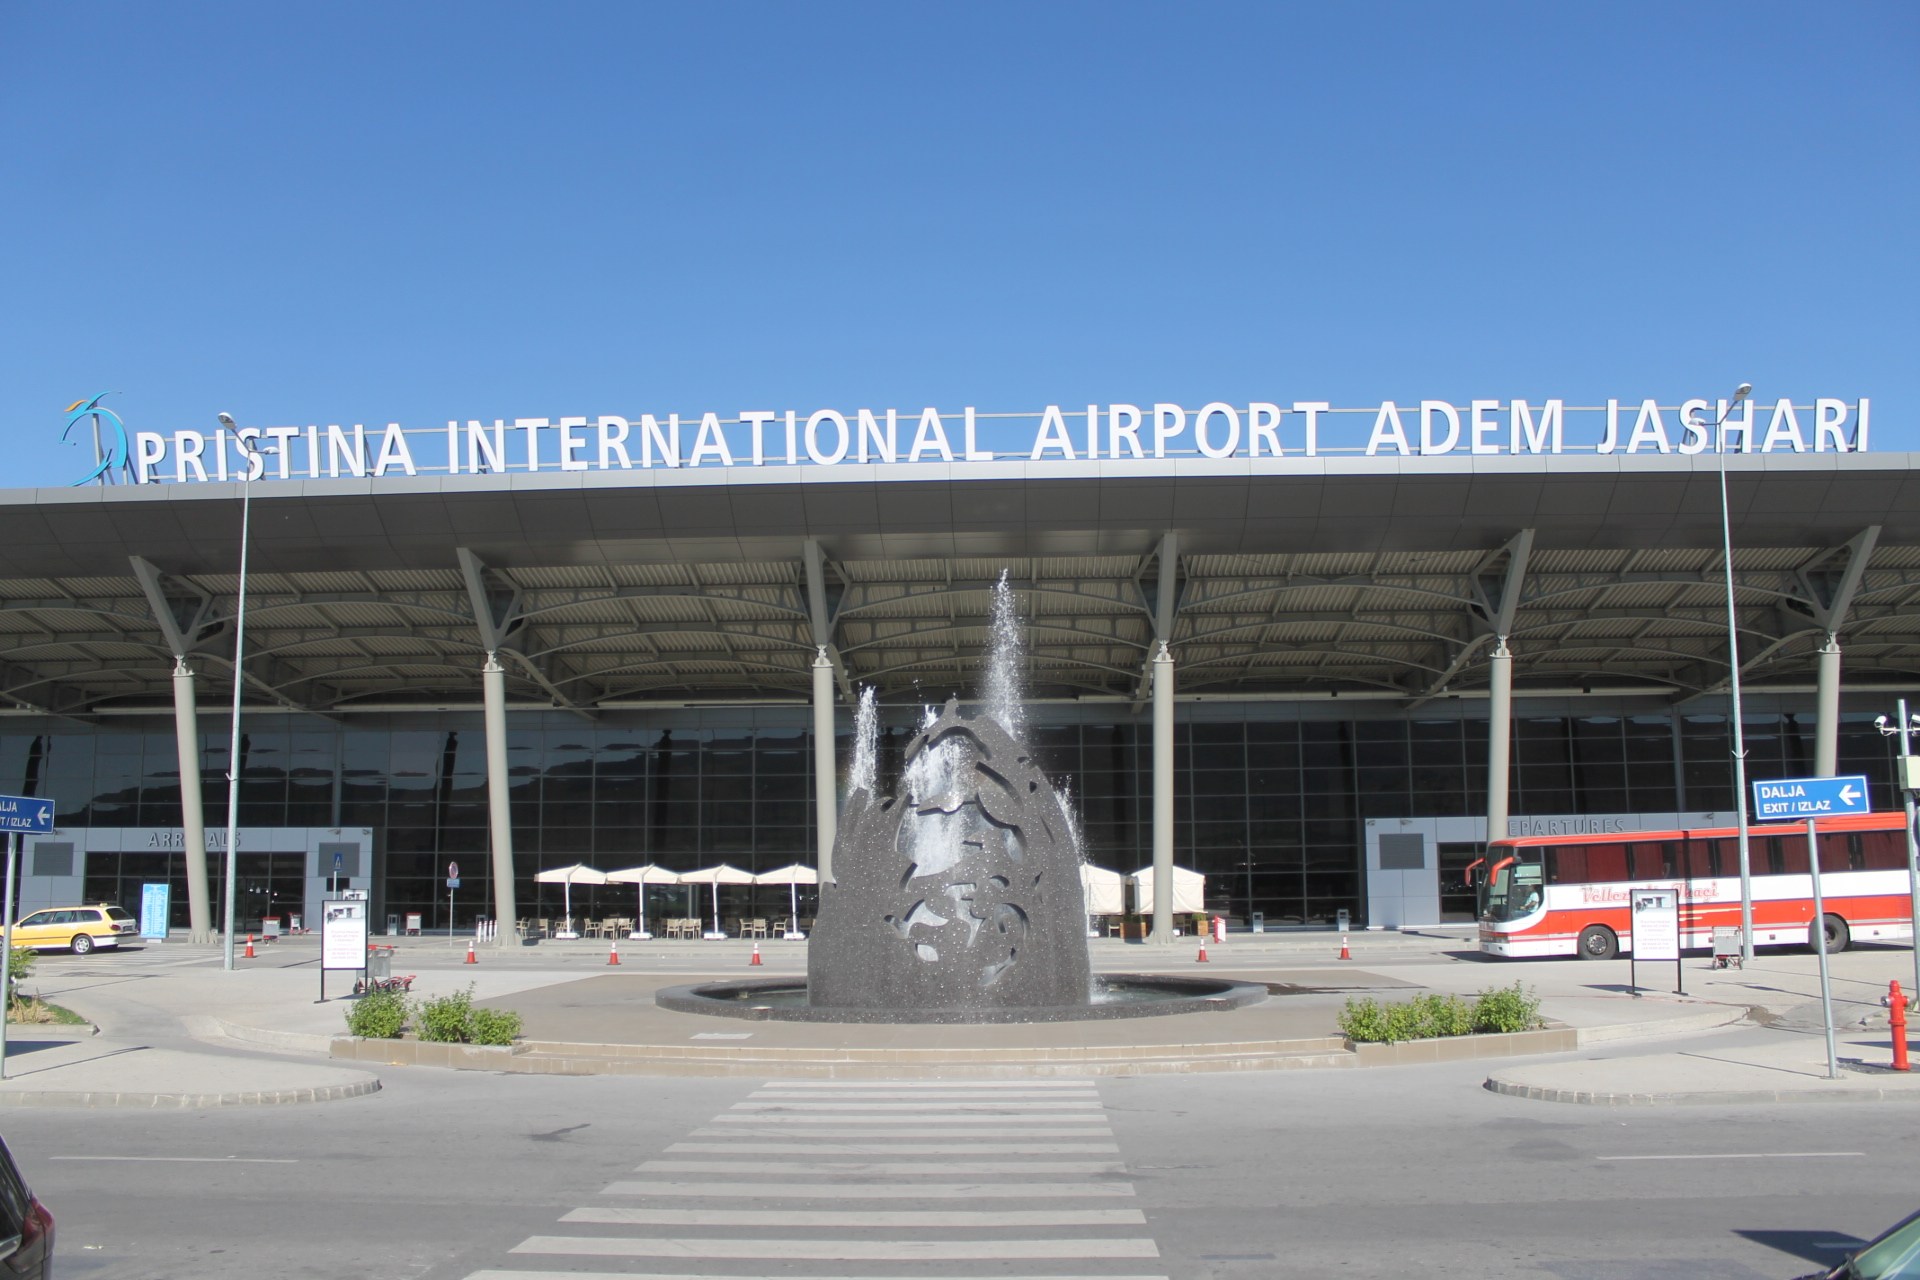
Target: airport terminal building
[{"x": 1317, "y": 673}]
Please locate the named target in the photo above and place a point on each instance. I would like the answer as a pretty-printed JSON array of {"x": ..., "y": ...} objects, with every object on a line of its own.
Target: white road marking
[
  {"x": 800, "y": 1118},
  {"x": 862, "y": 1168},
  {"x": 873, "y": 1190},
  {"x": 181, "y": 1159},
  {"x": 1090, "y": 1104},
  {"x": 976, "y": 1095},
  {"x": 898, "y": 1148},
  {"x": 980, "y": 1218},
  {"x": 830, "y": 1086},
  {"x": 904, "y": 1132},
  {"x": 832, "y": 1250},
  {"x": 653, "y": 1275},
  {"x": 1746, "y": 1155}
]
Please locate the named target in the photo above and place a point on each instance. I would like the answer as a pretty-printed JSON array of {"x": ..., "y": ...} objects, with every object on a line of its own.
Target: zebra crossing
[{"x": 840, "y": 1177}]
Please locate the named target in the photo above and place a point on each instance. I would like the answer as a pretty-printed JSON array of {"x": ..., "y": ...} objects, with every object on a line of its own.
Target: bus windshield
[{"x": 1514, "y": 890}]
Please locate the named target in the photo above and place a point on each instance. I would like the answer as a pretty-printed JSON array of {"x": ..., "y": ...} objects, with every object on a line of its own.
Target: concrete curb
[
  {"x": 206, "y": 1027},
  {"x": 1320, "y": 1052},
  {"x": 1406, "y": 1053},
  {"x": 136, "y": 1100},
  {"x": 1709, "y": 1018},
  {"x": 1701, "y": 1097}
]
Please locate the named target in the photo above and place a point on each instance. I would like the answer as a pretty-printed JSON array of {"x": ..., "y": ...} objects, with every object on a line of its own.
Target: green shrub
[
  {"x": 19, "y": 969},
  {"x": 447, "y": 1019},
  {"x": 495, "y": 1026},
  {"x": 1506, "y": 1009},
  {"x": 378, "y": 1015},
  {"x": 1364, "y": 1021},
  {"x": 1425, "y": 1017},
  {"x": 454, "y": 1020}
]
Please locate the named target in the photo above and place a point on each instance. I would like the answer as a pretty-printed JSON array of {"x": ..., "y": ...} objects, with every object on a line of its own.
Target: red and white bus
[{"x": 1562, "y": 895}]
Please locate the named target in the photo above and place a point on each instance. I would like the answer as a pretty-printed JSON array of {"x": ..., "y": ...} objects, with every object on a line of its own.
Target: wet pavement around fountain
[{"x": 174, "y": 1029}]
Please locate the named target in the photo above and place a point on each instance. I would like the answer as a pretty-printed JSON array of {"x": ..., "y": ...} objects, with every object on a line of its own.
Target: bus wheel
[
  {"x": 1597, "y": 942},
  {"x": 1838, "y": 935}
]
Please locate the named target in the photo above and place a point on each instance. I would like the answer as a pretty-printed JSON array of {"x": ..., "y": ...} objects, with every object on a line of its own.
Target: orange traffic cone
[
  {"x": 1202, "y": 957},
  {"x": 471, "y": 958},
  {"x": 756, "y": 955},
  {"x": 249, "y": 954},
  {"x": 1345, "y": 952},
  {"x": 613, "y": 951}
]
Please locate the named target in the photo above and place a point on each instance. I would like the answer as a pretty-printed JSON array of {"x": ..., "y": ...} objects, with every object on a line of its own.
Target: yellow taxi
[{"x": 79, "y": 929}]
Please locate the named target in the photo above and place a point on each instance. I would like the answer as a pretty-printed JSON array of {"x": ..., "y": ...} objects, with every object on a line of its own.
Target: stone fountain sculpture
[{"x": 959, "y": 895}]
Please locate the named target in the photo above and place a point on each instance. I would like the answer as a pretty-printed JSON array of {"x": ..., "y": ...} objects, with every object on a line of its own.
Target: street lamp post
[
  {"x": 1733, "y": 669},
  {"x": 239, "y": 644},
  {"x": 1908, "y": 726}
]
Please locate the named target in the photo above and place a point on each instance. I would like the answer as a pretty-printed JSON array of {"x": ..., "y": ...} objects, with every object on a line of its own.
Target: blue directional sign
[
  {"x": 26, "y": 813},
  {"x": 1786, "y": 798}
]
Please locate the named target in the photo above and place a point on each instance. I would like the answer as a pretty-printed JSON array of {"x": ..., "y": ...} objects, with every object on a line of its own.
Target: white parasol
[
  {"x": 792, "y": 875},
  {"x": 717, "y": 876},
  {"x": 567, "y": 877},
  {"x": 640, "y": 877}
]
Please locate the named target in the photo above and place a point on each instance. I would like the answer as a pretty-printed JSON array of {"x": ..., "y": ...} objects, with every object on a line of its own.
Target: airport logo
[{"x": 110, "y": 434}]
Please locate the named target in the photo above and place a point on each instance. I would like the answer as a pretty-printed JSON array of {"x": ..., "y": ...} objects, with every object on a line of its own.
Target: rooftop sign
[{"x": 831, "y": 437}]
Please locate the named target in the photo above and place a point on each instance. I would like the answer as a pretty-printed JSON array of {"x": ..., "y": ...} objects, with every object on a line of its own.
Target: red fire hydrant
[{"x": 1897, "y": 1007}]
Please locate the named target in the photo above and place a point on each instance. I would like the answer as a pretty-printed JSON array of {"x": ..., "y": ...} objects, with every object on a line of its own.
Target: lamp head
[
  {"x": 226, "y": 420},
  {"x": 1742, "y": 391}
]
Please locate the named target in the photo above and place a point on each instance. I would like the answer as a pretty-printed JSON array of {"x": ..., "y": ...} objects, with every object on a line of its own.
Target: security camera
[{"x": 1880, "y": 723}]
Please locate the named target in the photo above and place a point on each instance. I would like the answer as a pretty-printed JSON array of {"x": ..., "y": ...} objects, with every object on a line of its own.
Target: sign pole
[
  {"x": 17, "y": 814},
  {"x": 1818, "y": 933},
  {"x": 1913, "y": 850},
  {"x": 6, "y": 945}
]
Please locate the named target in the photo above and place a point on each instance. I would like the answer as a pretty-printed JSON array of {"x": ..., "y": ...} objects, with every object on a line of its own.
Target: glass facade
[{"x": 1270, "y": 798}]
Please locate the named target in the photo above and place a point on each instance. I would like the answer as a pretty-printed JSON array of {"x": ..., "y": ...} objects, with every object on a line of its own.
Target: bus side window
[
  {"x": 1882, "y": 851},
  {"x": 1566, "y": 864},
  {"x": 1702, "y": 862},
  {"x": 1607, "y": 862},
  {"x": 1787, "y": 856}
]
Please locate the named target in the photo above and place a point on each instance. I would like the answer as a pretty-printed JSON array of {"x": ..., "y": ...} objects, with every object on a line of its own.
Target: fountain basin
[{"x": 1129, "y": 995}]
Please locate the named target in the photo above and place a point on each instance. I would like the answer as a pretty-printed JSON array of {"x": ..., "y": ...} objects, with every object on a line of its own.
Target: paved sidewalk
[{"x": 175, "y": 1030}]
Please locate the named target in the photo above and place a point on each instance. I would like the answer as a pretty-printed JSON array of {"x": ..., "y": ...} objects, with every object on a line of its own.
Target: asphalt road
[{"x": 1384, "y": 1172}]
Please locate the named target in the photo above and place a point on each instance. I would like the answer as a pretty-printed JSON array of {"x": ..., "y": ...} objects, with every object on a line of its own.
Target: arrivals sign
[{"x": 1120, "y": 432}]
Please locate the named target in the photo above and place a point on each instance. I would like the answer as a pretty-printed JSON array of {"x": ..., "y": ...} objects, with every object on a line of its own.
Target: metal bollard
[{"x": 1896, "y": 1002}]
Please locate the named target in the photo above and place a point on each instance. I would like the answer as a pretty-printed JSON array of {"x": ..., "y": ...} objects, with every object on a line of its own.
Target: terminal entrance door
[{"x": 1456, "y": 895}]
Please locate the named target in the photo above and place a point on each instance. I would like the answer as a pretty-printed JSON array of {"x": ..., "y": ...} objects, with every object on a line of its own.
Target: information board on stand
[
  {"x": 1656, "y": 934},
  {"x": 343, "y": 938}
]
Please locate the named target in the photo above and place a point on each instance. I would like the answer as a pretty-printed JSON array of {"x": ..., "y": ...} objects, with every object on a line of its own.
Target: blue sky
[{"x": 370, "y": 212}]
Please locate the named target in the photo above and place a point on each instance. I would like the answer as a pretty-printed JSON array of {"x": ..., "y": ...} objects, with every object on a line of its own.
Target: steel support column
[
  {"x": 826, "y": 790},
  {"x": 193, "y": 820},
  {"x": 1499, "y": 736},
  {"x": 1826, "y": 725},
  {"x": 1163, "y": 795},
  {"x": 493, "y": 680}
]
